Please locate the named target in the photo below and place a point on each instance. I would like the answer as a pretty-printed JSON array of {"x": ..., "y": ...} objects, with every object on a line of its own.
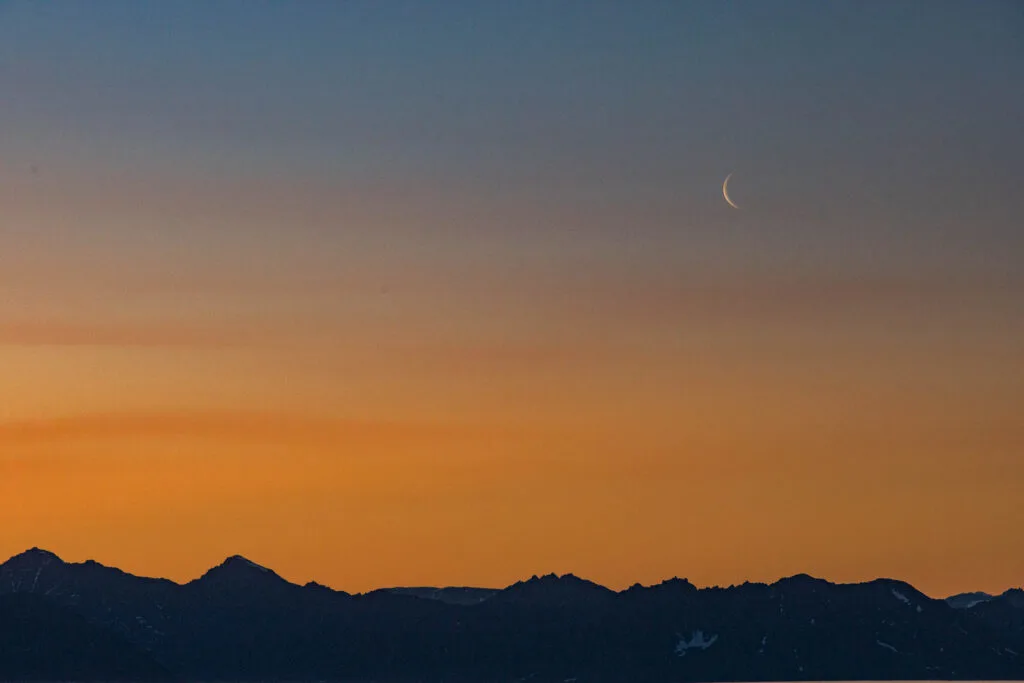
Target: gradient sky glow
[{"x": 385, "y": 293}]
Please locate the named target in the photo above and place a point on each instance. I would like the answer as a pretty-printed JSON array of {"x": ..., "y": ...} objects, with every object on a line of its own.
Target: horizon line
[{"x": 58, "y": 558}]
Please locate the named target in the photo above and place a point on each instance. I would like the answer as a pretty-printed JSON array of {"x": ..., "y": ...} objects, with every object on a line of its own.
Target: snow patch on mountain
[
  {"x": 697, "y": 641},
  {"x": 887, "y": 646}
]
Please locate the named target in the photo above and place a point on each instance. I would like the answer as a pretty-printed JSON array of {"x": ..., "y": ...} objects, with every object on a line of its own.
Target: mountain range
[{"x": 243, "y": 622}]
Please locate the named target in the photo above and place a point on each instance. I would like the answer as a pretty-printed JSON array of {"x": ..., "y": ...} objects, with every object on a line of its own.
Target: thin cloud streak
[
  {"x": 73, "y": 334},
  {"x": 255, "y": 427}
]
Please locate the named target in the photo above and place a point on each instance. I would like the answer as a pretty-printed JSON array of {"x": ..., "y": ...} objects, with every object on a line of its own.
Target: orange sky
[
  {"x": 716, "y": 444},
  {"x": 376, "y": 295}
]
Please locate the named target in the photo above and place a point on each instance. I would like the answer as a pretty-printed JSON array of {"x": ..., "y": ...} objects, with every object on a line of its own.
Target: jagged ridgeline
[{"x": 243, "y": 622}]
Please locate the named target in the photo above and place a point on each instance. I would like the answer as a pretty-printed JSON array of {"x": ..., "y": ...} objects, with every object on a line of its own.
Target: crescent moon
[{"x": 725, "y": 192}]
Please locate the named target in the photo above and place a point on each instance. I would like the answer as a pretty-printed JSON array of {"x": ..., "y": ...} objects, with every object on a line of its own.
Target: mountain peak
[
  {"x": 670, "y": 587},
  {"x": 239, "y": 570},
  {"x": 238, "y": 561},
  {"x": 36, "y": 557},
  {"x": 313, "y": 585},
  {"x": 554, "y": 587},
  {"x": 802, "y": 579},
  {"x": 555, "y": 578}
]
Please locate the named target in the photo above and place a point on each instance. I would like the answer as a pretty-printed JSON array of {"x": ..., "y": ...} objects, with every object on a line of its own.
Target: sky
[{"x": 404, "y": 293}]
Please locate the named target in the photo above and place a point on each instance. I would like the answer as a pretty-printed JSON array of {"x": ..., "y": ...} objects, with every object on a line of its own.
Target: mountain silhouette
[
  {"x": 41, "y": 641},
  {"x": 243, "y": 622}
]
